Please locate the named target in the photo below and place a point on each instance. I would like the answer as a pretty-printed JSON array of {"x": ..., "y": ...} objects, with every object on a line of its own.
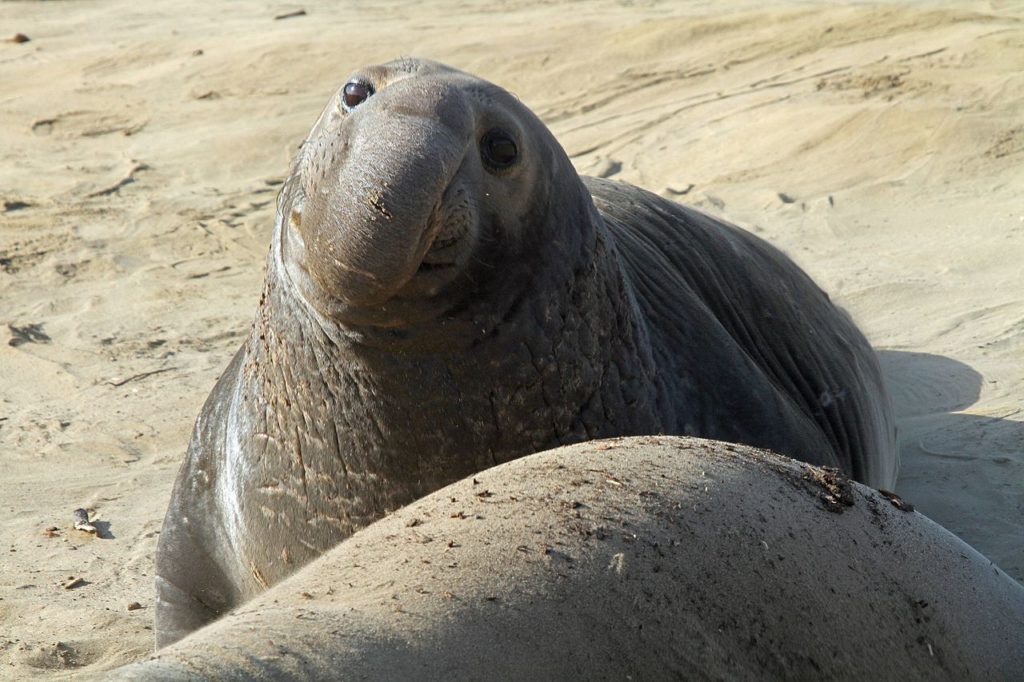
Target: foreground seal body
[
  {"x": 444, "y": 294},
  {"x": 642, "y": 558}
]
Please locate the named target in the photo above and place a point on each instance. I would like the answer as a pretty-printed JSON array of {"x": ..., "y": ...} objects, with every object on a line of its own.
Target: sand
[{"x": 881, "y": 146}]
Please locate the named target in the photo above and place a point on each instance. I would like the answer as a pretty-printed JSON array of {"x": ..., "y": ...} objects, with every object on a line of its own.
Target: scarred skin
[{"x": 427, "y": 314}]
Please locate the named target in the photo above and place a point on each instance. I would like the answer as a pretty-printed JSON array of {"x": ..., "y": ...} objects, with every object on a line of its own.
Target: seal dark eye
[
  {"x": 355, "y": 93},
  {"x": 498, "y": 149}
]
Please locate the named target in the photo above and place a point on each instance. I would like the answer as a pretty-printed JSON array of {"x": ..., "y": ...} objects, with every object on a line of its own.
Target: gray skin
[
  {"x": 427, "y": 315},
  {"x": 650, "y": 558}
]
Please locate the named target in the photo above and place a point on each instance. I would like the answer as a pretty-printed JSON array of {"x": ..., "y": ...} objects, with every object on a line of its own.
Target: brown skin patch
[
  {"x": 834, "y": 489},
  {"x": 896, "y": 500},
  {"x": 377, "y": 201},
  {"x": 830, "y": 485}
]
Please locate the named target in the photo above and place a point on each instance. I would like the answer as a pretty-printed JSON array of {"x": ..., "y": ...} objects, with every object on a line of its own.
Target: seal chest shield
[{"x": 443, "y": 294}]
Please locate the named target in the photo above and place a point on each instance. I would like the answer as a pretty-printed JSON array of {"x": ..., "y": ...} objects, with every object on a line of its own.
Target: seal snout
[{"x": 373, "y": 212}]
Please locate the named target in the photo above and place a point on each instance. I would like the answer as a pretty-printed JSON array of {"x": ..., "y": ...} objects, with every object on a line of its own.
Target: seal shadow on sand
[
  {"x": 965, "y": 472},
  {"x": 103, "y": 530}
]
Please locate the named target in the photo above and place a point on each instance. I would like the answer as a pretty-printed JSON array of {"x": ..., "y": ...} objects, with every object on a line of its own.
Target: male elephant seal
[
  {"x": 645, "y": 558},
  {"x": 444, "y": 293}
]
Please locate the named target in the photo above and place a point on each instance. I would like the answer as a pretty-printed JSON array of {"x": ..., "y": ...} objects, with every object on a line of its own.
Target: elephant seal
[
  {"x": 443, "y": 294},
  {"x": 641, "y": 558}
]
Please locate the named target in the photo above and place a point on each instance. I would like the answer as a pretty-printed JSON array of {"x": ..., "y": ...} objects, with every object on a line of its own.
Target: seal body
[
  {"x": 645, "y": 558},
  {"x": 444, "y": 294}
]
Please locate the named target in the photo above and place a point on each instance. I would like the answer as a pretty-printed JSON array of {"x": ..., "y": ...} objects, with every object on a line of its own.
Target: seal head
[{"x": 414, "y": 185}]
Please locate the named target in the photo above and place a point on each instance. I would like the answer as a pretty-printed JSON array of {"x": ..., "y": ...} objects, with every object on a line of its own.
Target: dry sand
[{"x": 882, "y": 146}]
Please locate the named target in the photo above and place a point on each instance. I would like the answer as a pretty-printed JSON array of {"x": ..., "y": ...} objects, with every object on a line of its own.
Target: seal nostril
[
  {"x": 498, "y": 150},
  {"x": 355, "y": 93}
]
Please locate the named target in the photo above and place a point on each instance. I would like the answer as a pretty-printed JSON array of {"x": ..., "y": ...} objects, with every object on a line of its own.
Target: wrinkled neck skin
[{"x": 533, "y": 350}]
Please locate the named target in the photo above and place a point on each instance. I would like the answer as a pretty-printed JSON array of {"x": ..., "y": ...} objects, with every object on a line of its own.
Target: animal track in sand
[
  {"x": 885, "y": 84},
  {"x": 1010, "y": 142},
  {"x": 29, "y": 252},
  {"x": 29, "y": 333},
  {"x": 87, "y": 123}
]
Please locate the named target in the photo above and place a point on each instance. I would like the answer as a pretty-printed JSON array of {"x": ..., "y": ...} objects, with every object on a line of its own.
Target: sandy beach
[{"x": 880, "y": 145}]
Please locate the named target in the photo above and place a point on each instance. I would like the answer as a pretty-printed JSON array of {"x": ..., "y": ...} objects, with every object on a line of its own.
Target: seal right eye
[{"x": 355, "y": 93}]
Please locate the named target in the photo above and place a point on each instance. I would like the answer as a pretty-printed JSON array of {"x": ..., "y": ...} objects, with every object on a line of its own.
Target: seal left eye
[
  {"x": 355, "y": 93},
  {"x": 498, "y": 149}
]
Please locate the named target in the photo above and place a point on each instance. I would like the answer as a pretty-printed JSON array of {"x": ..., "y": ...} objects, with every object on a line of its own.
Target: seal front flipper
[
  {"x": 186, "y": 596},
  {"x": 192, "y": 583}
]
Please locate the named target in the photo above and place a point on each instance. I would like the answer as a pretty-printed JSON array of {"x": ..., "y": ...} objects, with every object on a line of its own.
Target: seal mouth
[
  {"x": 443, "y": 253},
  {"x": 449, "y": 238},
  {"x": 443, "y": 236}
]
